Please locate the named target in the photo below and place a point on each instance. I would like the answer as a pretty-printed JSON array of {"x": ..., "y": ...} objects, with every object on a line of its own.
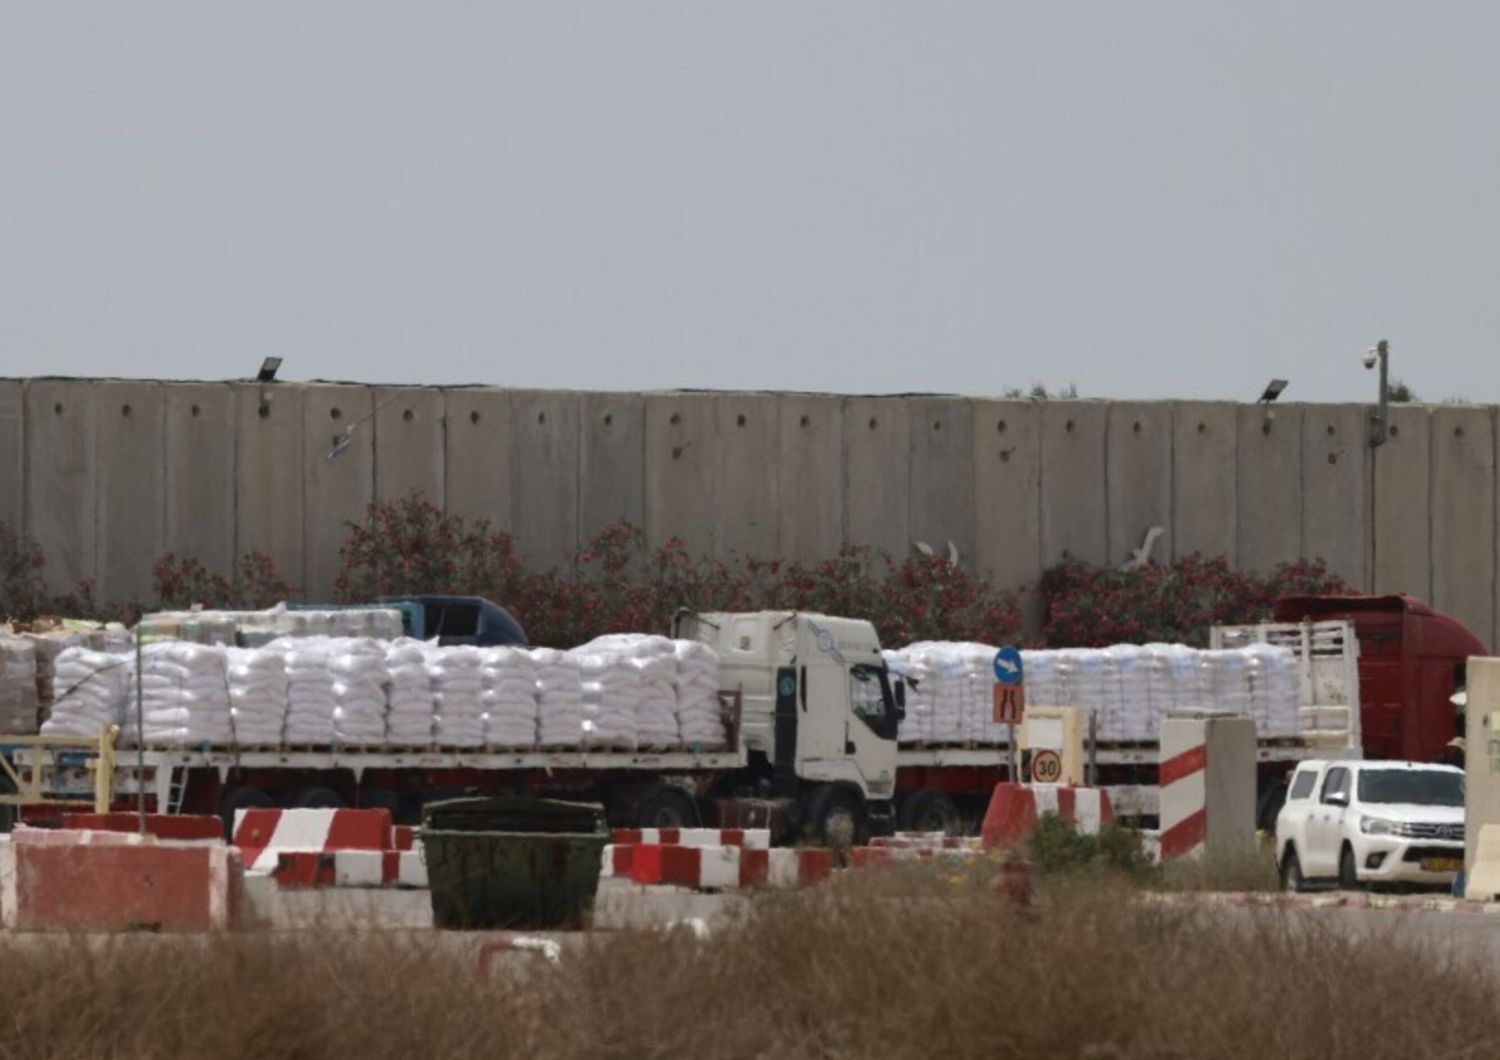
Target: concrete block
[
  {"x": 877, "y": 474},
  {"x": 1401, "y": 532},
  {"x": 1139, "y": 478},
  {"x": 480, "y": 455},
  {"x": 1268, "y": 486},
  {"x": 1074, "y": 505},
  {"x": 1007, "y": 491},
  {"x": 130, "y": 473},
  {"x": 941, "y": 504},
  {"x": 409, "y": 444},
  {"x": 1335, "y": 489},
  {"x": 1463, "y": 517},
  {"x": 268, "y": 473},
  {"x": 12, "y": 450},
  {"x": 1203, "y": 479},
  {"x": 680, "y": 493},
  {"x": 60, "y": 478},
  {"x": 336, "y": 492},
  {"x": 612, "y": 463},
  {"x": 810, "y": 502},
  {"x": 200, "y": 479},
  {"x": 746, "y": 439},
  {"x": 1481, "y": 775},
  {"x": 544, "y": 518}
]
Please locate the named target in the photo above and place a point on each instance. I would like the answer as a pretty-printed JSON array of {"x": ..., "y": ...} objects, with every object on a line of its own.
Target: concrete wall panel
[
  {"x": 409, "y": 444},
  {"x": 746, "y": 438},
  {"x": 545, "y": 513},
  {"x": 60, "y": 479},
  {"x": 12, "y": 449},
  {"x": 1463, "y": 517},
  {"x": 479, "y": 461},
  {"x": 336, "y": 492},
  {"x": 1203, "y": 479},
  {"x": 1335, "y": 489},
  {"x": 200, "y": 482},
  {"x": 1401, "y": 531},
  {"x": 612, "y": 470},
  {"x": 1139, "y": 482},
  {"x": 130, "y": 471},
  {"x": 877, "y": 474},
  {"x": 1073, "y": 481},
  {"x": 942, "y": 475},
  {"x": 268, "y": 474},
  {"x": 1007, "y": 491},
  {"x": 1268, "y": 486},
  {"x": 680, "y": 494},
  {"x": 811, "y": 474}
]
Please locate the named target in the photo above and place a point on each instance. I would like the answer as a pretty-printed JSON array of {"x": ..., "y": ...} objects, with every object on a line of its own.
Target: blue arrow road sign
[{"x": 1008, "y": 666}]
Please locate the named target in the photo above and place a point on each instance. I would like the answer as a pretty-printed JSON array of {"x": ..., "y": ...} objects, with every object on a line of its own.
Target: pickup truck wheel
[
  {"x": 666, "y": 806},
  {"x": 236, "y": 799},
  {"x": 1291, "y": 871},
  {"x": 1348, "y": 873}
]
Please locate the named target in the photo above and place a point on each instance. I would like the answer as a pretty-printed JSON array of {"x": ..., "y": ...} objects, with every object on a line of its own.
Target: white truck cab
[
  {"x": 819, "y": 710},
  {"x": 1359, "y": 823}
]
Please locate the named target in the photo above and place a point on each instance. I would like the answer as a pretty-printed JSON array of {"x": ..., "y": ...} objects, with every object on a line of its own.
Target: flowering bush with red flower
[
  {"x": 183, "y": 582},
  {"x": 1086, "y": 606}
]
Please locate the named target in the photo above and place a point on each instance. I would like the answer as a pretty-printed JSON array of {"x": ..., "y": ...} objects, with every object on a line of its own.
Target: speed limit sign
[{"x": 1046, "y": 767}]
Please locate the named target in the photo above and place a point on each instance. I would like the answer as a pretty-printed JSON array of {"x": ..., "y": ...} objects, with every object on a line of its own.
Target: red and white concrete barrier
[
  {"x": 753, "y": 838},
  {"x": 1207, "y": 783},
  {"x": 76, "y": 880},
  {"x": 1015, "y": 809},
  {"x": 264, "y": 835},
  {"x": 711, "y": 868},
  {"x": 301, "y": 870}
]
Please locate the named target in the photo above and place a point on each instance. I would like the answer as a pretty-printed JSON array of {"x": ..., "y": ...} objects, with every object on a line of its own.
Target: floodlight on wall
[
  {"x": 1272, "y": 392},
  {"x": 268, "y": 369}
]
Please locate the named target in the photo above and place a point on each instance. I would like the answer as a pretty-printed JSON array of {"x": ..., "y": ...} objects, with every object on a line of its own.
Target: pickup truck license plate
[{"x": 1442, "y": 864}]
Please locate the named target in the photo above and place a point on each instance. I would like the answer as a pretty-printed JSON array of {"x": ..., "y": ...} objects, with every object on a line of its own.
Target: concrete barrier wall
[{"x": 216, "y": 470}]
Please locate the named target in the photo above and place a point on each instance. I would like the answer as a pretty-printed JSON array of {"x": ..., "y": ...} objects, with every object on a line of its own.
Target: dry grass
[{"x": 903, "y": 964}]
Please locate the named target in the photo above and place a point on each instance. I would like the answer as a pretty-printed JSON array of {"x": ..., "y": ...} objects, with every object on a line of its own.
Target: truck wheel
[
  {"x": 316, "y": 799},
  {"x": 666, "y": 806},
  {"x": 236, "y": 799},
  {"x": 1291, "y": 871},
  {"x": 929, "y": 811},
  {"x": 1348, "y": 872},
  {"x": 835, "y": 818}
]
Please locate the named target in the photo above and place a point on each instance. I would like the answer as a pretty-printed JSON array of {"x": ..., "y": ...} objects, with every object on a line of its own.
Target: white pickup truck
[{"x": 1362, "y": 823}]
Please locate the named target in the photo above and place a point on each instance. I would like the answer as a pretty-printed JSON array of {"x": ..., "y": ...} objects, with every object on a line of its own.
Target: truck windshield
[{"x": 1417, "y": 787}]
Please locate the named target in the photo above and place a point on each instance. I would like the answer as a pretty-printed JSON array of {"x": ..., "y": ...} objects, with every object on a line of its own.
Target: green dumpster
[{"x": 512, "y": 862}]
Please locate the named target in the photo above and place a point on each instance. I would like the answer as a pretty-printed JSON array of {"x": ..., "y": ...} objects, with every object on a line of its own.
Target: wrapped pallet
[{"x": 18, "y": 686}]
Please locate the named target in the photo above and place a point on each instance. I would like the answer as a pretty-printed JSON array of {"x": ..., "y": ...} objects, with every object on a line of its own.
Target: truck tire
[
  {"x": 835, "y": 818},
  {"x": 241, "y": 799},
  {"x": 666, "y": 806},
  {"x": 1348, "y": 871},
  {"x": 316, "y": 799},
  {"x": 929, "y": 811},
  {"x": 1291, "y": 871}
]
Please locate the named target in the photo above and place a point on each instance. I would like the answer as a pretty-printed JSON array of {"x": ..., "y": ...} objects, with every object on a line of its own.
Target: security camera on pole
[{"x": 1010, "y": 700}]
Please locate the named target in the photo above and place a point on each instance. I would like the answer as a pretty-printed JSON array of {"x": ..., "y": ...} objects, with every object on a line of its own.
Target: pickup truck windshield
[{"x": 1412, "y": 786}]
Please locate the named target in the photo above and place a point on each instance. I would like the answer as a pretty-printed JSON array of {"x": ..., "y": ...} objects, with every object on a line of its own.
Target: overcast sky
[{"x": 1143, "y": 199}]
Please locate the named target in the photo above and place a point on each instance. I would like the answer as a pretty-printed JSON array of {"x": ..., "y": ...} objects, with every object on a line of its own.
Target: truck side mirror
[
  {"x": 1337, "y": 798},
  {"x": 901, "y": 696}
]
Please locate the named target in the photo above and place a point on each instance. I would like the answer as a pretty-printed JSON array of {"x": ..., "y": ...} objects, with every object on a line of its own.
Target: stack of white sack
[
  {"x": 184, "y": 696},
  {"x": 309, "y": 689},
  {"x": 559, "y": 686},
  {"x": 457, "y": 675},
  {"x": 943, "y": 690},
  {"x": 18, "y": 685},
  {"x": 409, "y": 702},
  {"x": 1225, "y": 678},
  {"x": 655, "y": 660},
  {"x": 90, "y": 692},
  {"x": 612, "y": 694},
  {"x": 510, "y": 698},
  {"x": 1275, "y": 691},
  {"x": 700, "y": 715},
  {"x": 1135, "y": 715},
  {"x": 359, "y": 696},
  {"x": 257, "y": 695},
  {"x": 916, "y": 726}
]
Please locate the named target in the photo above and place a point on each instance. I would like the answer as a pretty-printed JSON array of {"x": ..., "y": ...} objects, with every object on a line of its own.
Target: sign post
[{"x": 1010, "y": 701}]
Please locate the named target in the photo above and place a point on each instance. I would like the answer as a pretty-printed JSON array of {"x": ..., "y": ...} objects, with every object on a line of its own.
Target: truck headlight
[{"x": 1377, "y": 826}]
